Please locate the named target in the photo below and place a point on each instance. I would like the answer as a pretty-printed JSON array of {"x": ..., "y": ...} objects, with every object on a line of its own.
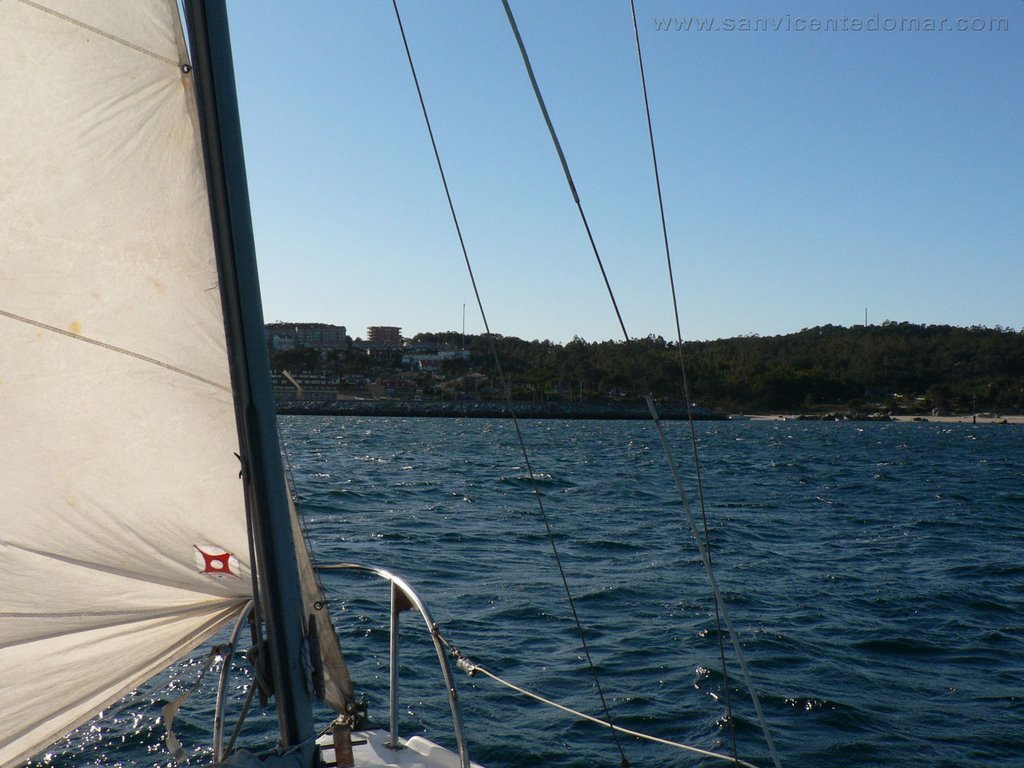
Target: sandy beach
[{"x": 987, "y": 418}]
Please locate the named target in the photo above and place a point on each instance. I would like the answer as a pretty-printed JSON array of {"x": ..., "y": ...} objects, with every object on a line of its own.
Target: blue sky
[{"x": 808, "y": 174}]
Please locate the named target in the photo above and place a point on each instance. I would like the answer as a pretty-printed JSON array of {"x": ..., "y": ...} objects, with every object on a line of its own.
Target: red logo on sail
[{"x": 214, "y": 561}]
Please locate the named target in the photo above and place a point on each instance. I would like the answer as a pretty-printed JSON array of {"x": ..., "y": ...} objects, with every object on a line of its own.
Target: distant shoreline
[
  {"x": 489, "y": 409},
  {"x": 955, "y": 419},
  {"x": 595, "y": 411}
]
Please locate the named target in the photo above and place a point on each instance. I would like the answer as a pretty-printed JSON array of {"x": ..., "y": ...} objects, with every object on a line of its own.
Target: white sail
[
  {"x": 122, "y": 527},
  {"x": 338, "y": 692}
]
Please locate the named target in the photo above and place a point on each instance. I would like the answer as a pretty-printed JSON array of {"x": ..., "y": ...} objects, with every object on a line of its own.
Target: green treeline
[{"x": 894, "y": 365}]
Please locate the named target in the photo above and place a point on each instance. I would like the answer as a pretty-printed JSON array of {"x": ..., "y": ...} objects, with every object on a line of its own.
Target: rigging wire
[
  {"x": 719, "y": 605},
  {"x": 704, "y": 553},
  {"x": 508, "y": 394},
  {"x": 682, "y": 370}
]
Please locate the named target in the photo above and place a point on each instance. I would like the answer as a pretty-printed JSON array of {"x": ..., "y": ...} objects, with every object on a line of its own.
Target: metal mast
[{"x": 263, "y": 470}]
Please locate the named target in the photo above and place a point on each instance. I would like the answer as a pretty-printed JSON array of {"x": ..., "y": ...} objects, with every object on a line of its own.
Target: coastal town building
[
  {"x": 306, "y": 335},
  {"x": 384, "y": 336}
]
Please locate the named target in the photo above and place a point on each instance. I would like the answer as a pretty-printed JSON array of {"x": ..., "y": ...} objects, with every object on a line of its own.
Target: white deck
[{"x": 371, "y": 751}]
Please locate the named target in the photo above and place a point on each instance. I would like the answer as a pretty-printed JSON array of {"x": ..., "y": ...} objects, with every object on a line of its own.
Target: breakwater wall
[{"x": 487, "y": 410}]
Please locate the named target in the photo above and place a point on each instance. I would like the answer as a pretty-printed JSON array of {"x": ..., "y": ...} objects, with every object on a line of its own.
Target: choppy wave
[{"x": 873, "y": 572}]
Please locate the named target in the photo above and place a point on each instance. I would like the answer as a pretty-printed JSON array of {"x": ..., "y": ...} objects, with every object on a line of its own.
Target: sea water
[{"x": 874, "y": 573}]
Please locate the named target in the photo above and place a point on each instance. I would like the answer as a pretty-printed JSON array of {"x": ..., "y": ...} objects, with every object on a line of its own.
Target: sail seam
[
  {"x": 107, "y": 35},
  {"x": 126, "y": 620},
  {"x": 123, "y": 617},
  {"x": 109, "y": 569},
  {"x": 113, "y": 348},
  {"x": 126, "y": 615}
]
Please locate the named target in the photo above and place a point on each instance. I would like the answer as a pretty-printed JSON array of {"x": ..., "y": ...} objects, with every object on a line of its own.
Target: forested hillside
[{"x": 914, "y": 367}]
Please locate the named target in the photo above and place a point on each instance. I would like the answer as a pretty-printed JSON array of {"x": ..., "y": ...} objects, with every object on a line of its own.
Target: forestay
[{"x": 122, "y": 527}]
